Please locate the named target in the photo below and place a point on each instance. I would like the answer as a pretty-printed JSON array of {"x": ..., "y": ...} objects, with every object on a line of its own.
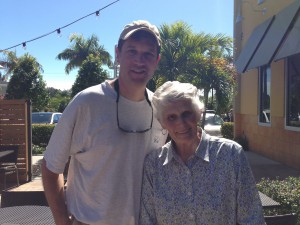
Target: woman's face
[{"x": 180, "y": 119}]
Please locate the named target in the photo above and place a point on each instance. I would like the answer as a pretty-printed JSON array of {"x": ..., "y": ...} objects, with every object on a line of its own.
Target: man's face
[{"x": 138, "y": 60}]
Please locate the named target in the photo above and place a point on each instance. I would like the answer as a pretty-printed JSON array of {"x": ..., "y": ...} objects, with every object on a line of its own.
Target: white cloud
[{"x": 62, "y": 85}]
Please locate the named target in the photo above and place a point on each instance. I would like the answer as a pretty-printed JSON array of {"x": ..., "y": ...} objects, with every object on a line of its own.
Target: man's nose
[{"x": 139, "y": 59}]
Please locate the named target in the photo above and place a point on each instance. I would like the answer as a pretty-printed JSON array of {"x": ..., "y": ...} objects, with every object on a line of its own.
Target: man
[{"x": 107, "y": 130}]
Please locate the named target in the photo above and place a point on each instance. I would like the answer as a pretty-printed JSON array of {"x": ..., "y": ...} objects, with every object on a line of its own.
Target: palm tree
[
  {"x": 11, "y": 61},
  {"x": 202, "y": 59},
  {"x": 27, "y": 82},
  {"x": 180, "y": 49},
  {"x": 80, "y": 49},
  {"x": 214, "y": 74},
  {"x": 178, "y": 43}
]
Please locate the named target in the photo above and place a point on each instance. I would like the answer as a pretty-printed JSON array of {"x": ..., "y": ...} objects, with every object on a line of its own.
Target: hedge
[
  {"x": 286, "y": 192},
  {"x": 41, "y": 134},
  {"x": 227, "y": 130}
]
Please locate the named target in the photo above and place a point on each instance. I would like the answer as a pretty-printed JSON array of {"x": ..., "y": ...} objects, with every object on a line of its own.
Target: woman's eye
[
  {"x": 186, "y": 114},
  {"x": 171, "y": 118}
]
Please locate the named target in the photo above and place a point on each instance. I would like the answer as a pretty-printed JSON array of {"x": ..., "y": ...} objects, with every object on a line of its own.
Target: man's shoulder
[
  {"x": 96, "y": 91},
  {"x": 150, "y": 93},
  {"x": 159, "y": 154}
]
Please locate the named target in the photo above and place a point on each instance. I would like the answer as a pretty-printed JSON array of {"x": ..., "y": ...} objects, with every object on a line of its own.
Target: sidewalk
[
  {"x": 36, "y": 168},
  {"x": 264, "y": 167},
  {"x": 261, "y": 167}
]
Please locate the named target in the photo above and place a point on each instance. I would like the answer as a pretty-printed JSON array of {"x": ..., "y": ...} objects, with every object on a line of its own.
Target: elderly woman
[{"x": 195, "y": 178}]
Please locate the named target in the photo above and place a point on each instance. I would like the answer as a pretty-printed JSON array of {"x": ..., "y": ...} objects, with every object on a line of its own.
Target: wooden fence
[{"x": 15, "y": 129}]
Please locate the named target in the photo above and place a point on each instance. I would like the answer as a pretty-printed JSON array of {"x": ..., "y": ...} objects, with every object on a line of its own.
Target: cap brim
[{"x": 125, "y": 37}]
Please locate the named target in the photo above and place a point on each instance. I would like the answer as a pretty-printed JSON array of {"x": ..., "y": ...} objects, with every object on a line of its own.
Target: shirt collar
[
  {"x": 170, "y": 152},
  {"x": 202, "y": 151}
]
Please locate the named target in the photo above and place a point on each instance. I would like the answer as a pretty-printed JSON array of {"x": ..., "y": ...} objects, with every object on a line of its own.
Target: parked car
[
  {"x": 45, "y": 117},
  {"x": 213, "y": 123}
]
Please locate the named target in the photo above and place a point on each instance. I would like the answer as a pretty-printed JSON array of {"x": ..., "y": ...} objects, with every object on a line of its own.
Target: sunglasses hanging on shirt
[{"x": 116, "y": 86}]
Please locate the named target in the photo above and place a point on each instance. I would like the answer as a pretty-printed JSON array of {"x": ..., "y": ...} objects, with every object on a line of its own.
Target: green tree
[
  {"x": 202, "y": 59},
  {"x": 90, "y": 73},
  {"x": 178, "y": 44},
  {"x": 27, "y": 83},
  {"x": 214, "y": 73},
  {"x": 80, "y": 49},
  {"x": 58, "y": 99},
  {"x": 11, "y": 62}
]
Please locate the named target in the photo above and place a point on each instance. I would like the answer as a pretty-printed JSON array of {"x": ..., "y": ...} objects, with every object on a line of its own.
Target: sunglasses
[{"x": 116, "y": 86}]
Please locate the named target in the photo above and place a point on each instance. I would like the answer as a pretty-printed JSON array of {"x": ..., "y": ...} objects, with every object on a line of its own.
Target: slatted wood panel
[{"x": 15, "y": 129}]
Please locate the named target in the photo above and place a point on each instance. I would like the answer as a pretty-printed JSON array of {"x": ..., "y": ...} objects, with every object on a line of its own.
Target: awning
[
  {"x": 251, "y": 45},
  {"x": 274, "y": 37},
  {"x": 291, "y": 44}
]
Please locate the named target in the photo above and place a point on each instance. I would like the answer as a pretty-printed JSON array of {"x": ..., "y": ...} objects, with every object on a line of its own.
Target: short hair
[
  {"x": 139, "y": 35},
  {"x": 173, "y": 91}
]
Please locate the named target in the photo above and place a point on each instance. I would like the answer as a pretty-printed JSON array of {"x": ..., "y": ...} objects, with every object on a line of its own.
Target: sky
[{"x": 22, "y": 21}]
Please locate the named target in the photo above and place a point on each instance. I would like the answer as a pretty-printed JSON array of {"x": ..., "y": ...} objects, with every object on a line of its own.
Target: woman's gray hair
[{"x": 173, "y": 91}]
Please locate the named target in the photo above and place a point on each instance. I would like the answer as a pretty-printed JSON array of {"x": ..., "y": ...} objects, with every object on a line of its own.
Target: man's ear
[
  {"x": 117, "y": 53},
  {"x": 158, "y": 58}
]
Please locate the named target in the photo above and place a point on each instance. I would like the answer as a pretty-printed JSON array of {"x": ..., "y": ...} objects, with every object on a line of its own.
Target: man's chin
[{"x": 140, "y": 78}]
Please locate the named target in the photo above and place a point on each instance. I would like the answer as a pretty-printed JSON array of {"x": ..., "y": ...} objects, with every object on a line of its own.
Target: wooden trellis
[{"x": 15, "y": 129}]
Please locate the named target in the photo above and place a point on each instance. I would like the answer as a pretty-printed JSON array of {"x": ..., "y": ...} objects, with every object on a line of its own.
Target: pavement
[
  {"x": 260, "y": 165},
  {"x": 267, "y": 168}
]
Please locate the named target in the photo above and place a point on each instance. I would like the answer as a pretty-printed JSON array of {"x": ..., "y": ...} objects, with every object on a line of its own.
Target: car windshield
[
  {"x": 41, "y": 117},
  {"x": 213, "y": 119}
]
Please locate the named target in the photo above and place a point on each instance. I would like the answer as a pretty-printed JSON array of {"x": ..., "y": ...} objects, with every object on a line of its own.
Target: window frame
[
  {"x": 287, "y": 89},
  {"x": 264, "y": 70}
]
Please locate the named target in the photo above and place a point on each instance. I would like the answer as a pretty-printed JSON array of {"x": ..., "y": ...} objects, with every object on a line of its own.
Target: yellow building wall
[
  {"x": 249, "y": 92},
  {"x": 274, "y": 140},
  {"x": 277, "y": 88}
]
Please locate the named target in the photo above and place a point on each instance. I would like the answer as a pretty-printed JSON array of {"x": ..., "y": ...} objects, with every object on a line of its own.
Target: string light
[{"x": 58, "y": 31}]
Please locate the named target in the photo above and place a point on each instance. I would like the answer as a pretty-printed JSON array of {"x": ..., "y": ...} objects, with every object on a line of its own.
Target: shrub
[
  {"x": 242, "y": 140},
  {"x": 227, "y": 130},
  {"x": 41, "y": 134},
  {"x": 37, "y": 150},
  {"x": 286, "y": 192}
]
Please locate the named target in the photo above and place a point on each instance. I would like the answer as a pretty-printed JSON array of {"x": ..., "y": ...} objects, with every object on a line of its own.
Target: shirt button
[
  {"x": 191, "y": 216},
  {"x": 188, "y": 172},
  {"x": 189, "y": 193}
]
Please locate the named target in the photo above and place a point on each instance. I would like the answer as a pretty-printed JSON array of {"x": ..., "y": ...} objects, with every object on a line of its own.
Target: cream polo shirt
[{"x": 105, "y": 173}]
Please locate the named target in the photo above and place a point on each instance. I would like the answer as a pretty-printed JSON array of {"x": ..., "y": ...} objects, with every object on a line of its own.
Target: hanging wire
[{"x": 58, "y": 30}]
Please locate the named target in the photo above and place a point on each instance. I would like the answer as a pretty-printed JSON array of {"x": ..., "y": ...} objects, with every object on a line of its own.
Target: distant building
[
  {"x": 3, "y": 87},
  {"x": 3, "y": 83},
  {"x": 267, "y": 56}
]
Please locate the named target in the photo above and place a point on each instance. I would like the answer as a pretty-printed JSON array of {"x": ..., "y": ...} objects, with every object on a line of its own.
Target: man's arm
[{"x": 54, "y": 190}]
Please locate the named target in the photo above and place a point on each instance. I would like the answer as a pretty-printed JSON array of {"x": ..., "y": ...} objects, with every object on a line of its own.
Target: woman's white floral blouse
[{"x": 216, "y": 186}]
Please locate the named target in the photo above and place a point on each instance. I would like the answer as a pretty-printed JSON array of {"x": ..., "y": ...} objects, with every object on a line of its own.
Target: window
[
  {"x": 264, "y": 94},
  {"x": 293, "y": 92}
]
